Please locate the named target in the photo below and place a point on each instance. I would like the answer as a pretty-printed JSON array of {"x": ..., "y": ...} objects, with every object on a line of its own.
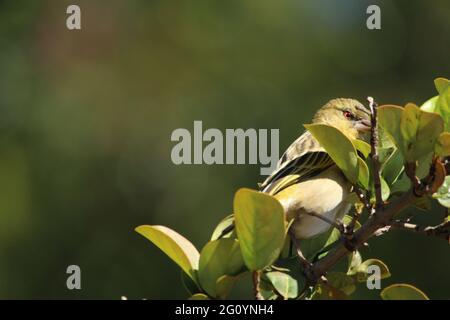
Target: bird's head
[{"x": 347, "y": 115}]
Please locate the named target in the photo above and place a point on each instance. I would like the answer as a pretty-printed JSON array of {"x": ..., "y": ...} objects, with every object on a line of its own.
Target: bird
[{"x": 310, "y": 187}]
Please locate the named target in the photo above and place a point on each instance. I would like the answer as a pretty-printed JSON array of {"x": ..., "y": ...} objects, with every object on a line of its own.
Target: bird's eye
[{"x": 348, "y": 115}]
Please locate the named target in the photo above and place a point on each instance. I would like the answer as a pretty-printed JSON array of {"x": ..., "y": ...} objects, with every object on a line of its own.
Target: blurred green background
[{"x": 86, "y": 119}]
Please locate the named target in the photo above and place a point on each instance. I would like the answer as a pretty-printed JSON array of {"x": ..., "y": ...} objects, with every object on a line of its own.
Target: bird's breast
[{"x": 323, "y": 195}]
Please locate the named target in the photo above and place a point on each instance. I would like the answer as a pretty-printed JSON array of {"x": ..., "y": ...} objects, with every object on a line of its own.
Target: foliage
[{"x": 413, "y": 141}]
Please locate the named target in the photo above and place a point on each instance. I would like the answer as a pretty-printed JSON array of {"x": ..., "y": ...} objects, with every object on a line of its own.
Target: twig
[
  {"x": 374, "y": 152},
  {"x": 367, "y": 230},
  {"x": 441, "y": 230},
  {"x": 256, "y": 276},
  {"x": 337, "y": 224}
]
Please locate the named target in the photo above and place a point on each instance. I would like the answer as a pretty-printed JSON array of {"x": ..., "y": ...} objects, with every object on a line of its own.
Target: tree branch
[
  {"x": 374, "y": 152},
  {"x": 441, "y": 230},
  {"x": 367, "y": 230}
]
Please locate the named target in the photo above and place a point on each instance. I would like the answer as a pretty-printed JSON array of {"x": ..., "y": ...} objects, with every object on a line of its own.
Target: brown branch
[
  {"x": 256, "y": 277},
  {"x": 441, "y": 230},
  {"x": 374, "y": 152},
  {"x": 367, "y": 230}
]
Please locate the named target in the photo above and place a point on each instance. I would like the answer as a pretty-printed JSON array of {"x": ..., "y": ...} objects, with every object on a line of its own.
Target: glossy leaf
[
  {"x": 389, "y": 117},
  {"x": 174, "y": 245},
  {"x": 284, "y": 284},
  {"x": 442, "y": 147},
  {"x": 362, "y": 274},
  {"x": 443, "y": 193},
  {"x": 430, "y": 105},
  {"x": 441, "y": 84},
  {"x": 326, "y": 292},
  {"x": 393, "y": 167},
  {"x": 355, "y": 260},
  {"x": 260, "y": 227},
  {"x": 224, "y": 224},
  {"x": 339, "y": 147},
  {"x": 402, "y": 292},
  {"x": 219, "y": 258},
  {"x": 342, "y": 282},
  {"x": 363, "y": 175},
  {"x": 362, "y": 147},
  {"x": 420, "y": 131}
]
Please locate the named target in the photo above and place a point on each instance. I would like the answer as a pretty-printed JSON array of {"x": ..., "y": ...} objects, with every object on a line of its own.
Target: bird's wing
[
  {"x": 298, "y": 169},
  {"x": 304, "y": 159}
]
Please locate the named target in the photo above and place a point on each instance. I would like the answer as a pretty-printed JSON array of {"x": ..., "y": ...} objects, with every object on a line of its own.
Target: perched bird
[{"x": 307, "y": 182}]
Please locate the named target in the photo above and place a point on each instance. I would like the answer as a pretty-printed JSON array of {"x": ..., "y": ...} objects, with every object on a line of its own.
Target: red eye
[{"x": 348, "y": 114}]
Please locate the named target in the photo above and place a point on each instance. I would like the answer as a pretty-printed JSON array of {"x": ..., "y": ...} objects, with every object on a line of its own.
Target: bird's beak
[{"x": 363, "y": 125}]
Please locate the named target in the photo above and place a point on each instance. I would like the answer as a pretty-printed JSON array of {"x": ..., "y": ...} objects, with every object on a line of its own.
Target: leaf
[
  {"x": 199, "y": 296},
  {"x": 442, "y": 147},
  {"x": 441, "y": 104},
  {"x": 189, "y": 284},
  {"x": 363, "y": 175},
  {"x": 441, "y": 84},
  {"x": 362, "y": 147},
  {"x": 327, "y": 292},
  {"x": 260, "y": 227},
  {"x": 266, "y": 289},
  {"x": 402, "y": 292},
  {"x": 284, "y": 284},
  {"x": 219, "y": 258},
  {"x": 225, "y": 223},
  {"x": 389, "y": 117},
  {"x": 420, "y": 131},
  {"x": 342, "y": 282},
  {"x": 443, "y": 193},
  {"x": 362, "y": 274},
  {"x": 393, "y": 167},
  {"x": 174, "y": 245},
  {"x": 430, "y": 105},
  {"x": 355, "y": 261},
  {"x": 339, "y": 147}
]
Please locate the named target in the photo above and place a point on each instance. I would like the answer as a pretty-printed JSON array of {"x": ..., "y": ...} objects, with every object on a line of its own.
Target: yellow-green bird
[{"x": 307, "y": 182}]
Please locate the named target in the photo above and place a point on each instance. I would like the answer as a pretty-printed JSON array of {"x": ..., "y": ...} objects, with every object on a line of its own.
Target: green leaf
[
  {"x": 442, "y": 147},
  {"x": 442, "y": 105},
  {"x": 389, "y": 117},
  {"x": 190, "y": 285},
  {"x": 441, "y": 84},
  {"x": 219, "y": 258},
  {"x": 443, "y": 193},
  {"x": 430, "y": 105},
  {"x": 355, "y": 260},
  {"x": 363, "y": 175},
  {"x": 402, "y": 184},
  {"x": 225, "y": 223},
  {"x": 402, "y": 292},
  {"x": 393, "y": 167},
  {"x": 362, "y": 274},
  {"x": 199, "y": 296},
  {"x": 339, "y": 147},
  {"x": 342, "y": 282},
  {"x": 326, "y": 292},
  {"x": 362, "y": 147},
  {"x": 174, "y": 245},
  {"x": 260, "y": 227},
  {"x": 284, "y": 284},
  {"x": 420, "y": 131}
]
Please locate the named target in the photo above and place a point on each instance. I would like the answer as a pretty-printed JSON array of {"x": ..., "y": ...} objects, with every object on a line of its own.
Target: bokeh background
[{"x": 86, "y": 118}]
